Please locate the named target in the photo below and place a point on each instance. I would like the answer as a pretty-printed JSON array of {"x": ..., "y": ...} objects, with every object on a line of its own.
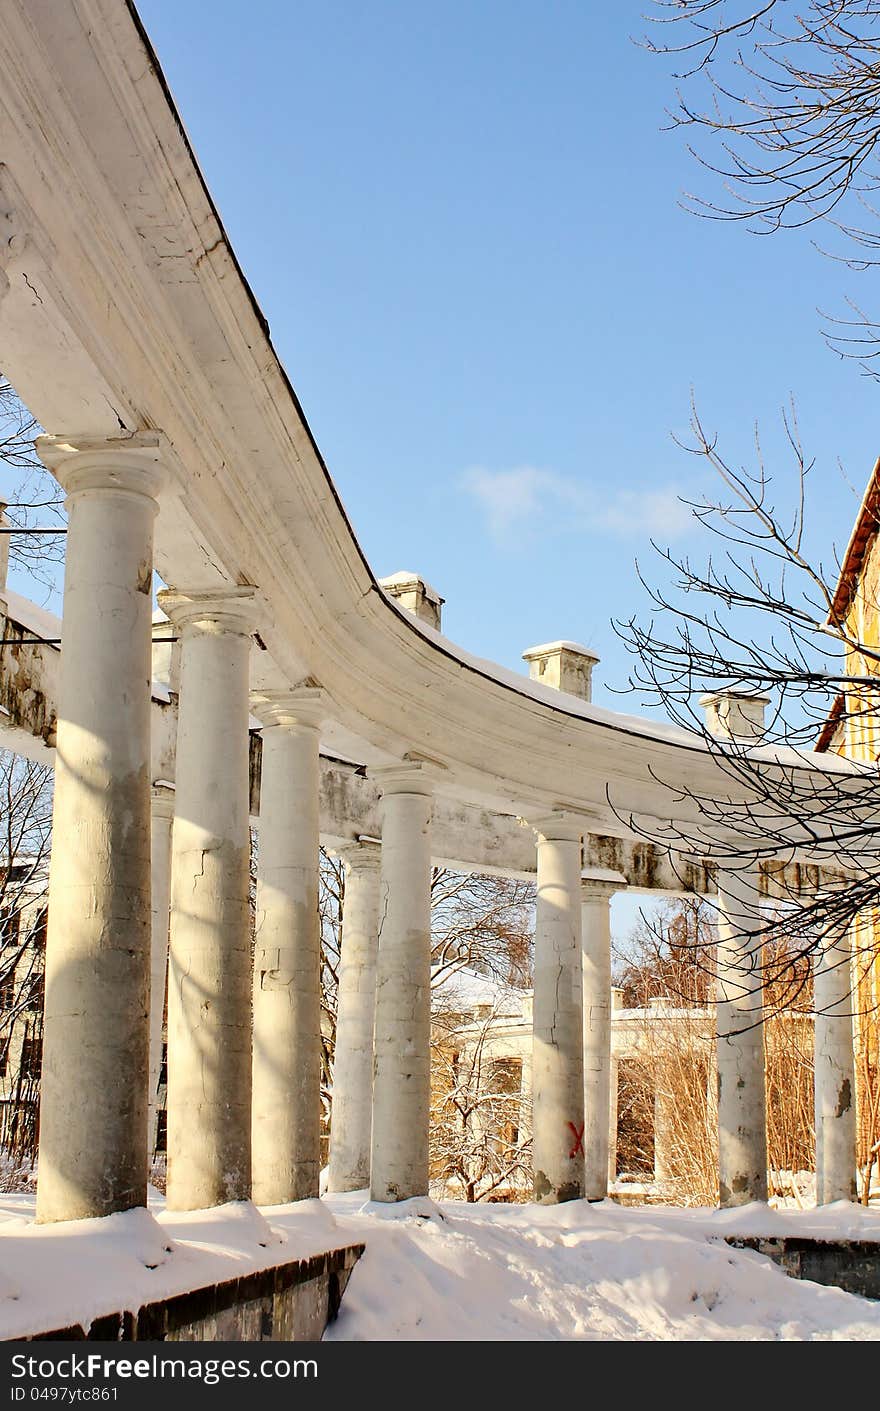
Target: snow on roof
[
  {"x": 471, "y": 990},
  {"x": 641, "y": 727},
  {"x": 394, "y": 580},
  {"x": 549, "y": 647},
  {"x": 658, "y": 1014},
  {"x": 36, "y": 620}
]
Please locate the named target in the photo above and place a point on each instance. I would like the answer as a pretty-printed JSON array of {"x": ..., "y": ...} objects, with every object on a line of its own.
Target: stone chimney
[
  {"x": 735, "y": 715},
  {"x": 565, "y": 666},
  {"x": 416, "y": 596}
]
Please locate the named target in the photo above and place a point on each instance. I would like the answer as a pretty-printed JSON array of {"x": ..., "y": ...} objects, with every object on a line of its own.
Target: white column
[
  {"x": 597, "y": 888},
  {"x": 834, "y": 1070},
  {"x": 287, "y": 954},
  {"x": 742, "y": 1133},
  {"x": 161, "y": 815},
  {"x": 402, "y": 1071},
  {"x": 93, "y": 1113},
  {"x": 209, "y": 971},
  {"x": 351, "y": 1111},
  {"x": 616, "y": 1004},
  {"x": 558, "y": 1034}
]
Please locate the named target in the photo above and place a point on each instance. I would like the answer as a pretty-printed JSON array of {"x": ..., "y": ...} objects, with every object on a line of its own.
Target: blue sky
[{"x": 462, "y": 223}]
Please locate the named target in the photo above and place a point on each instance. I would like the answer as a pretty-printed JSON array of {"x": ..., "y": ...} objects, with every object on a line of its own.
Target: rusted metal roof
[
  {"x": 864, "y": 533},
  {"x": 826, "y": 734}
]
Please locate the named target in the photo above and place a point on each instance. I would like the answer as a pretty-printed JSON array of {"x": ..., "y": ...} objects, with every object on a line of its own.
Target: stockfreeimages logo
[{"x": 97, "y": 1366}]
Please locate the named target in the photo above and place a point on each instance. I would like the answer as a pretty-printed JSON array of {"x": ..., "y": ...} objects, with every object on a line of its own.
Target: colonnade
[{"x": 244, "y": 1029}]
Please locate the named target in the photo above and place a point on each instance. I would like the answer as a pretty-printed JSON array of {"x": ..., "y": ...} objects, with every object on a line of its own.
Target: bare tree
[
  {"x": 331, "y": 900},
  {"x": 480, "y": 1143},
  {"x": 668, "y": 1122},
  {"x": 483, "y": 925},
  {"x": 670, "y": 952},
  {"x": 480, "y": 922},
  {"x": 26, "y": 819},
  {"x": 789, "y": 94},
  {"x": 782, "y": 107},
  {"x": 762, "y": 616},
  {"x": 33, "y": 498}
]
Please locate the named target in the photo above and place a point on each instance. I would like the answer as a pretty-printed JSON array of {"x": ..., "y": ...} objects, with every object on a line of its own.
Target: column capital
[
  {"x": 231, "y": 609},
  {"x": 599, "y": 883},
  {"x": 364, "y": 855},
  {"x": 290, "y": 707},
  {"x": 412, "y": 775},
  {"x": 562, "y": 825},
  {"x": 162, "y": 801},
  {"x": 132, "y": 462}
]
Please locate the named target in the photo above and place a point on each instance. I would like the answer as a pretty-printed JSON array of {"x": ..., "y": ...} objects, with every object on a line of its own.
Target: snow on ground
[
  {"x": 453, "y": 1272},
  {"x": 591, "y": 1272}
]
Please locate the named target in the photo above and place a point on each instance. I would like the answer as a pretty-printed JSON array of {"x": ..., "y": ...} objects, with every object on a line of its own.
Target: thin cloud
[{"x": 527, "y": 498}]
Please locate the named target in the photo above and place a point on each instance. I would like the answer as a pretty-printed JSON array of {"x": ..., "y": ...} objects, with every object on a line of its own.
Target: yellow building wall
[{"x": 858, "y": 738}]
